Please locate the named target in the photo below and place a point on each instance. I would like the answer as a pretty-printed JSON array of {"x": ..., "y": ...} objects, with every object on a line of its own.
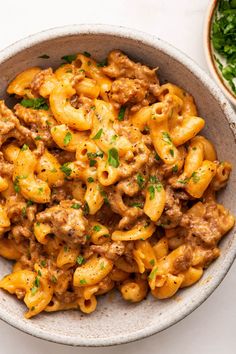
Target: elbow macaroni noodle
[{"x": 105, "y": 182}]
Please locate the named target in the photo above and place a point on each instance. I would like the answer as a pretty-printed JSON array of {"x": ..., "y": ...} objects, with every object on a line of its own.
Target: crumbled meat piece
[
  {"x": 18, "y": 231},
  {"x": 119, "y": 65},
  {"x": 67, "y": 223},
  {"x": 172, "y": 213},
  {"x": 110, "y": 250},
  {"x": 43, "y": 83},
  {"x": 10, "y": 126},
  {"x": 130, "y": 91},
  {"x": 6, "y": 168},
  {"x": 182, "y": 263}
]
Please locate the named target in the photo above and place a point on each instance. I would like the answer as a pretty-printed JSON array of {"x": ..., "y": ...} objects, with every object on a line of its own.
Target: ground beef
[
  {"x": 172, "y": 213},
  {"x": 110, "y": 250},
  {"x": 66, "y": 223}
]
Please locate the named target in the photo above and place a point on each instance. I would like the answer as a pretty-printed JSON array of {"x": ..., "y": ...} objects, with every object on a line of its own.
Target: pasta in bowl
[
  {"x": 62, "y": 176},
  {"x": 106, "y": 182}
]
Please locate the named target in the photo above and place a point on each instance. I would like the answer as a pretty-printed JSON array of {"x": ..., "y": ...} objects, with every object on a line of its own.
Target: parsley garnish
[
  {"x": 166, "y": 137},
  {"x": 171, "y": 152},
  {"x": 53, "y": 279},
  {"x": 35, "y": 103},
  {"x": 102, "y": 265},
  {"x": 76, "y": 206},
  {"x": 86, "y": 208},
  {"x": 102, "y": 63},
  {"x": 140, "y": 180},
  {"x": 175, "y": 169},
  {"x": 90, "y": 179},
  {"x": 43, "y": 263},
  {"x": 157, "y": 157},
  {"x": 152, "y": 262},
  {"x": 97, "y": 228},
  {"x": 92, "y": 163},
  {"x": 65, "y": 169},
  {"x": 69, "y": 58},
  {"x": 113, "y": 157},
  {"x": 151, "y": 191},
  {"x": 137, "y": 205},
  {"x": 98, "y": 135},
  {"x": 83, "y": 281},
  {"x": 67, "y": 138},
  {"x": 24, "y": 212},
  {"x": 121, "y": 113},
  {"x": 87, "y": 54},
  {"x": 38, "y": 137},
  {"x": 24, "y": 147},
  {"x": 16, "y": 184},
  {"x": 195, "y": 177},
  {"x": 153, "y": 273},
  {"x": 80, "y": 260}
]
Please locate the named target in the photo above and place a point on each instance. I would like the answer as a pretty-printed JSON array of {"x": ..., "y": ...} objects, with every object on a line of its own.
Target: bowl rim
[
  {"x": 209, "y": 52},
  {"x": 155, "y": 42}
]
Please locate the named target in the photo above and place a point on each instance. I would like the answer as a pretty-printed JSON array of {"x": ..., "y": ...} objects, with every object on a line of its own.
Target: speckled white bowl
[{"x": 116, "y": 321}]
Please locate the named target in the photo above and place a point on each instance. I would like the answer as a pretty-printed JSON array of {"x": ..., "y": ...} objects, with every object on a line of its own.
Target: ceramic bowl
[
  {"x": 116, "y": 321},
  {"x": 212, "y": 56}
]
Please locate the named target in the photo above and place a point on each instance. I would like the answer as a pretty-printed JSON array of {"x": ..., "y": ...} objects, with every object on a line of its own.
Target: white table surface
[{"x": 212, "y": 327}]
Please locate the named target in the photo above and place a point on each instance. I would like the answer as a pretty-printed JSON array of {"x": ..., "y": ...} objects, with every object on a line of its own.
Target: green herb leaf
[
  {"x": 140, "y": 180},
  {"x": 137, "y": 205},
  {"x": 86, "y": 208},
  {"x": 76, "y": 206},
  {"x": 157, "y": 157},
  {"x": 151, "y": 191},
  {"x": 35, "y": 103},
  {"x": 16, "y": 185},
  {"x": 171, "y": 152},
  {"x": 29, "y": 203},
  {"x": 24, "y": 212},
  {"x": 121, "y": 113},
  {"x": 97, "y": 228},
  {"x": 102, "y": 265},
  {"x": 98, "y": 135},
  {"x": 69, "y": 58},
  {"x": 175, "y": 169},
  {"x": 153, "y": 273},
  {"x": 65, "y": 169},
  {"x": 43, "y": 263},
  {"x": 83, "y": 282},
  {"x": 24, "y": 147},
  {"x": 92, "y": 163},
  {"x": 195, "y": 177},
  {"x": 87, "y": 54},
  {"x": 166, "y": 137},
  {"x": 90, "y": 179},
  {"x": 152, "y": 262},
  {"x": 54, "y": 279},
  {"x": 102, "y": 63},
  {"x": 80, "y": 260},
  {"x": 67, "y": 138},
  {"x": 113, "y": 157},
  {"x": 38, "y": 137}
]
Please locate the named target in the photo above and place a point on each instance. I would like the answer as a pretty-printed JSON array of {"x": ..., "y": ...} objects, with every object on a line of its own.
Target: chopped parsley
[
  {"x": 104, "y": 195},
  {"x": 113, "y": 157},
  {"x": 97, "y": 228},
  {"x": 35, "y": 103},
  {"x": 69, "y": 58},
  {"x": 152, "y": 262},
  {"x": 80, "y": 260},
  {"x": 86, "y": 208},
  {"x": 36, "y": 285},
  {"x": 92, "y": 163},
  {"x": 76, "y": 206},
  {"x": 153, "y": 273},
  {"x": 65, "y": 169},
  {"x": 40, "y": 190},
  {"x": 93, "y": 155},
  {"x": 175, "y": 169},
  {"x": 83, "y": 282},
  {"x": 171, "y": 152},
  {"x": 102, "y": 265},
  {"x": 23, "y": 212},
  {"x": 43, "y": 263},
  {"x": 16, "y": 185},
  {"x": 183, "y": 181},
  {"x": 113, "y": 138},
  {"x": 102, "y": 63},
  {"x": 87, "y": 54},
  {"x": 98, "y": 134},
  {"x": 195, "y": 177},
  {"x": 53, "y": 279},
  {"x": 140, "y": 180},
  {"x": 29, "y": 203},
  {"x": 153, "y": 179},
  {"x": 166, "y": 137},
  {"x": 90, "y": 179},
  {"x": 137, "y": 205},
  {"x": 157, "y": 157},
  {"x": 67, "y": 138},
  {"x": 24, "y": 147},
  {"x": 151, "y": 191},
  {"x": 38, "y": 137},
  {"x": 121, "y": 113}
]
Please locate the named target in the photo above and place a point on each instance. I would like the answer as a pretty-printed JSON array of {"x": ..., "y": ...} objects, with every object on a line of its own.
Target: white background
[{"x": 212, "y": 327}]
